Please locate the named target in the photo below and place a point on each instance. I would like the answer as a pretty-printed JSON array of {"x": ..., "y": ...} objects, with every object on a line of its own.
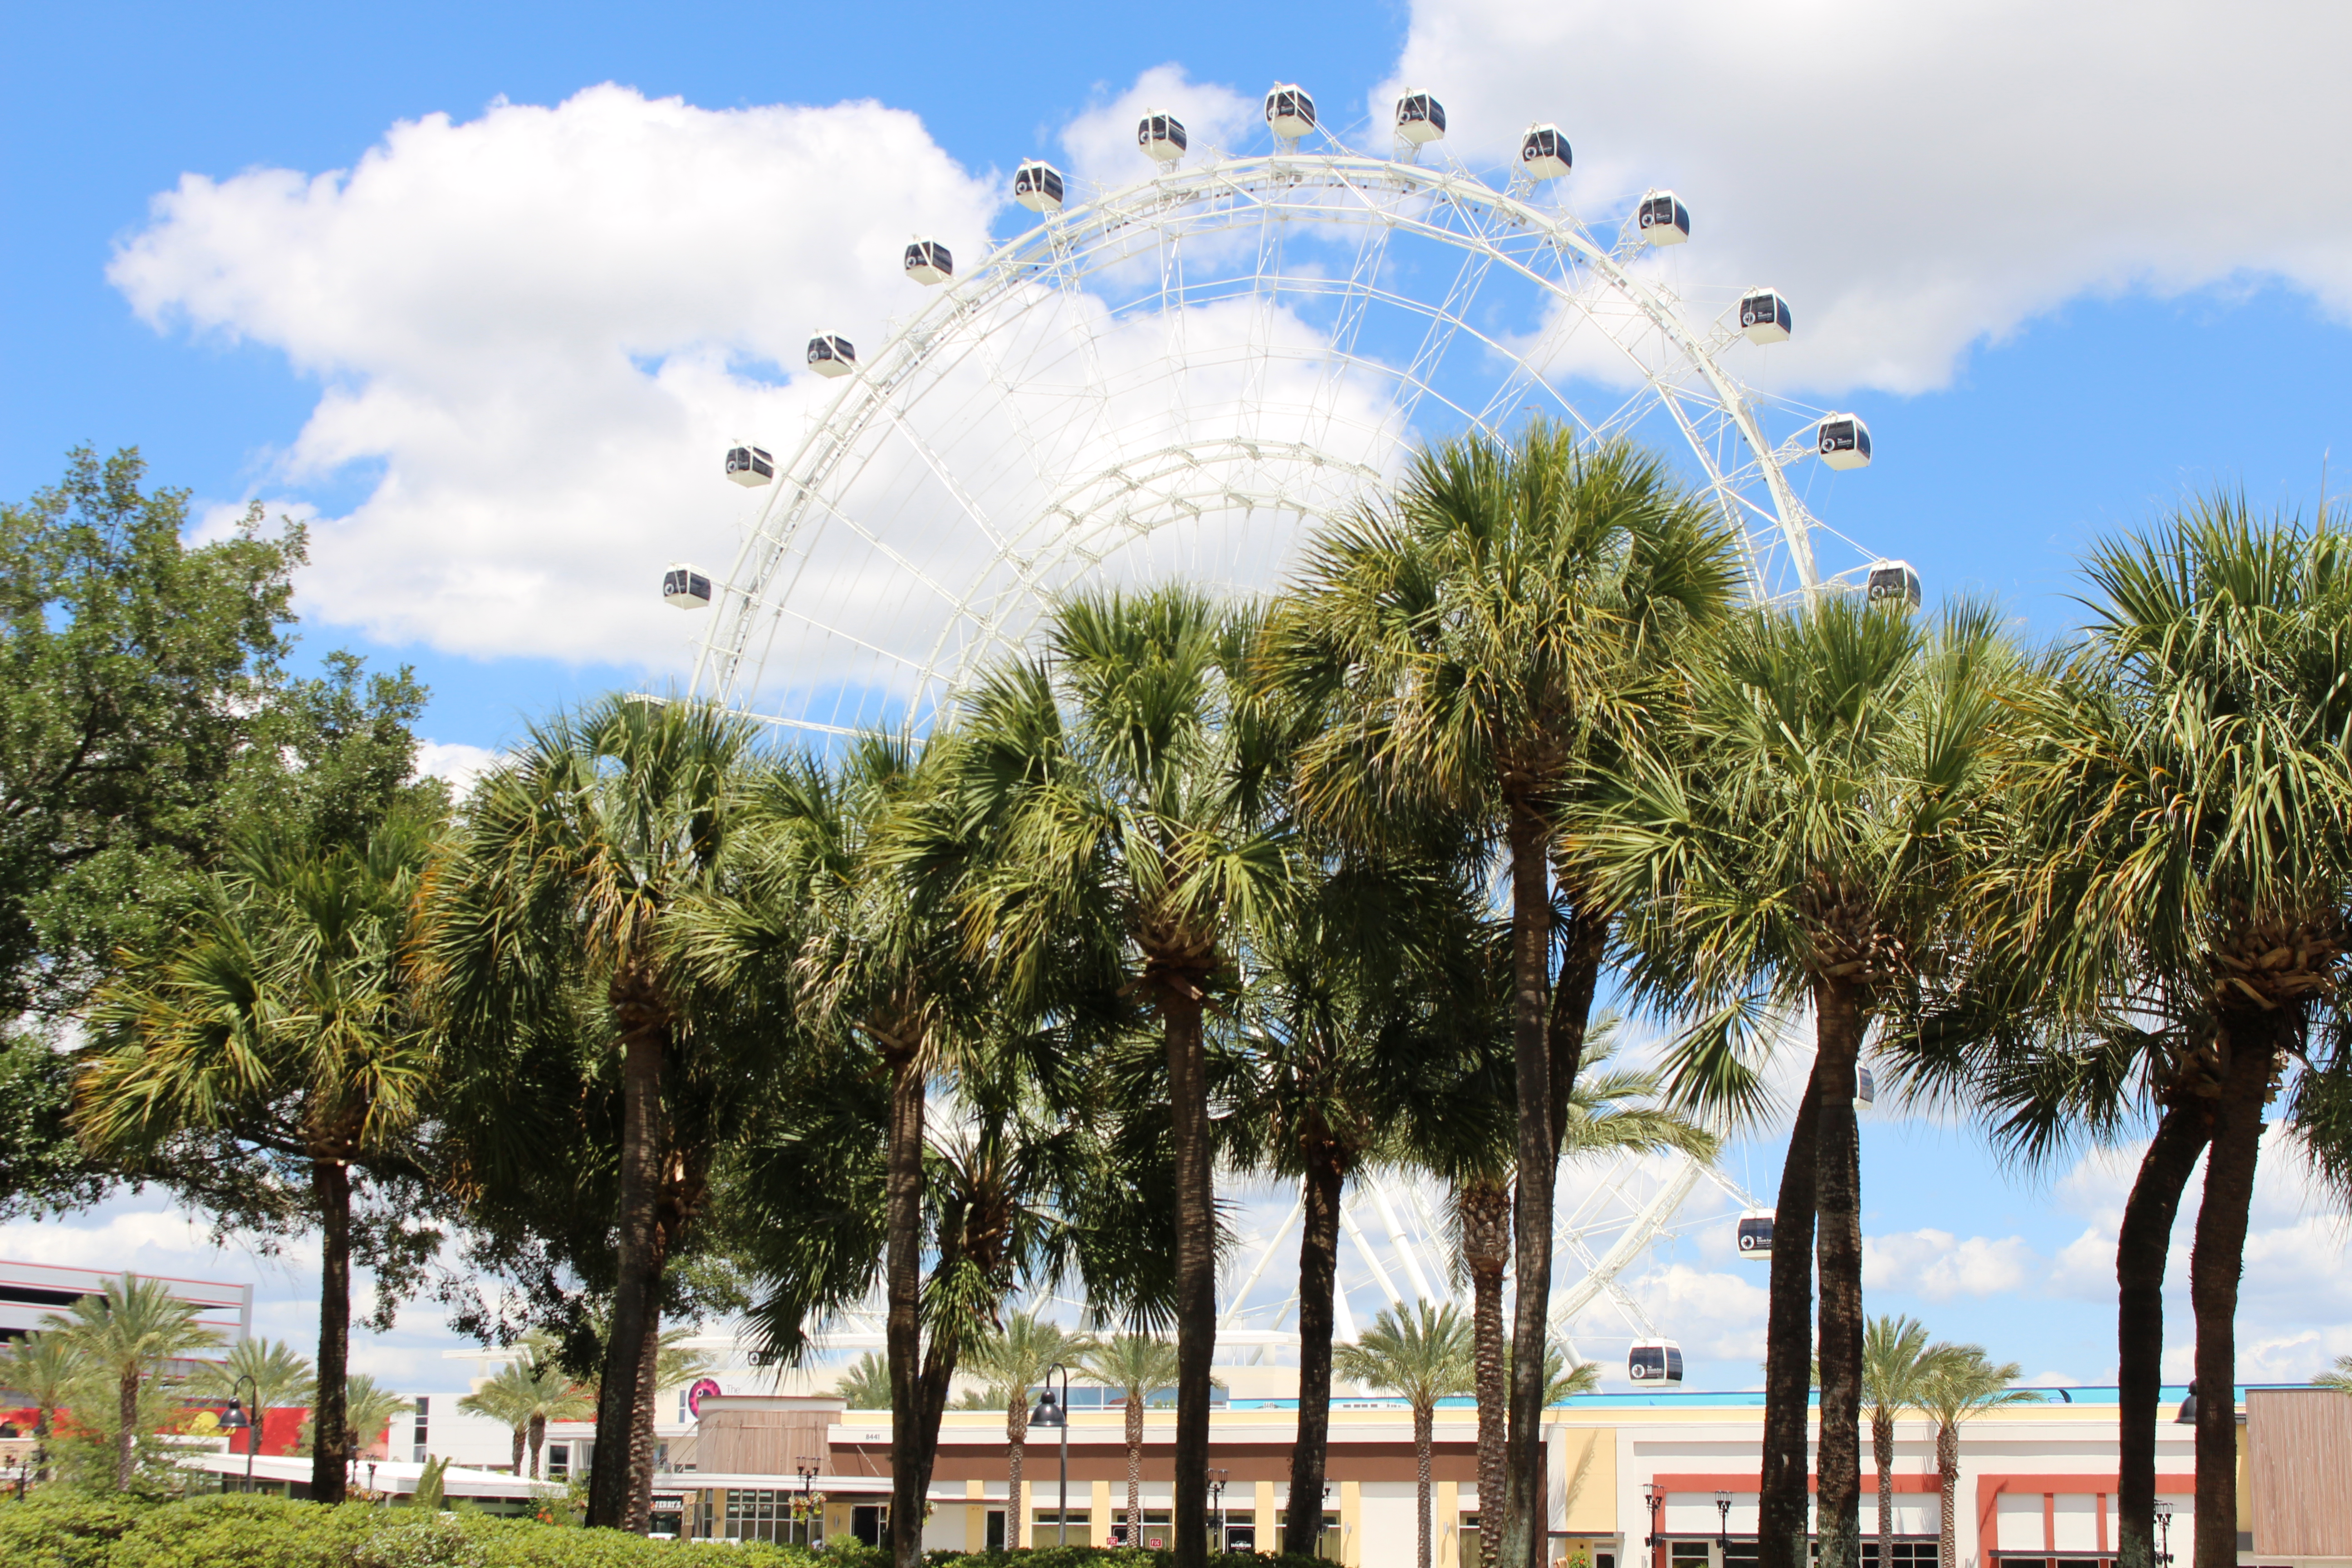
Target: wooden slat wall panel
[
  {"x": 2301, "y": 1441},
  {"x": 760, "y": 1442}
]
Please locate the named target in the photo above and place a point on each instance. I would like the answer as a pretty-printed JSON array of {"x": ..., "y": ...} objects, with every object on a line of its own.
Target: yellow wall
[
  {"x": 1351, "y": 1516},
  {"x": 1444, "y": 1523},
  {"x": 1591, "y": 1506}
]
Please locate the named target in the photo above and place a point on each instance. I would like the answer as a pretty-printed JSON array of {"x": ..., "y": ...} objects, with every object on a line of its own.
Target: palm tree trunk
[
  {"x": 902, "y": 1268},
  {"x": 330, "y": 1442},
  {"x": 2142, "y": 1243},
  {"x": 1485, "y": 1211},
  {"x": 1318, "y": 1273},
  {"x": 1838, "y": 1187},
  {"x": 1016, "y": 1427},
  {"x": 2214, "y": 1264},
  {"x": 1947, "y": 1473},
  {"x": 126, "y": 1439},
  {"x": 1424, "y": 1419},
  {"x": 522, "y": 1435},
  {"x": 44, "y": 1422},
  {"x": 1135, "y": 1466},
  {"x": 1196, "y": 1269},
  {"x": 640, "y": 1515},
  {"x": 1537, "y": 1154},
  {"x": 1882, "y": 1451},
  {"x": 643, "y": 1048},
  {"x": 1789, "y": 1347}
]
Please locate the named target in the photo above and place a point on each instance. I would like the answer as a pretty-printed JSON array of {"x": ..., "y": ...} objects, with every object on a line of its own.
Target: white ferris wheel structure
[{"x": 1185, "y": 375}]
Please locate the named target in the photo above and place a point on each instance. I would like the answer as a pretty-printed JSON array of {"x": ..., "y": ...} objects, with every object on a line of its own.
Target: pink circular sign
[{"x": 702, "y": 1389}]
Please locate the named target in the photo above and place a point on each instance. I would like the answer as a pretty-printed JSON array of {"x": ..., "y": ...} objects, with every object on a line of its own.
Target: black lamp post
[
  {"x": 235, "y": 1420},
  {"x": 2187, "y": 1415},
  {"x": 2164, "y": 1536},
  {"x": 806, "y": 1470},
  {"x": 1723, "y": 1519},
  {"x": 1057, "y": 1413}
]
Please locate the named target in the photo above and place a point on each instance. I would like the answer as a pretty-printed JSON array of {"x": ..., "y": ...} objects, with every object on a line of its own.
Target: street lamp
[
  {"x": 1217, "y": 1502},
  {"x": 1049, "y": 1413},
  {"x": 1723, "y": 1519},
  {"x": 235, "y": 1420},
  {"x": 2164, "y": 1536},
  {"x": 807, "y": 1471},
  {"x": 2187, "y": 1415}
]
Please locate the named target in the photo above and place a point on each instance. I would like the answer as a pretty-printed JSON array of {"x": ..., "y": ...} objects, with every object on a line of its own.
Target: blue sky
[{"x": 2066, "y": 284}]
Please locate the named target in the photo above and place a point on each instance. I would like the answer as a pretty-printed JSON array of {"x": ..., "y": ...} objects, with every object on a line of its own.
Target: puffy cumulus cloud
[
  {"x": 1100, "y": 142},
  {"x": 1919, "y": 178},
  {"x": 1939, "y": 1266},
  {"x": 455, "y": 761},
  {"x": 537, "y": 328}
]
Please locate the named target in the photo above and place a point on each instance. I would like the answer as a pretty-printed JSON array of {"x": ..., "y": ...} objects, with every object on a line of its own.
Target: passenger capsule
[
  {"x": 830, "y": 356},
  {"x": 1756, "y": 1235},
  {"x": 1038, "y": 185},
  {"x": 1844, "y": 442},
  {"x": 1655, "y": 1361},
  {"x": 1420, "y": 119},
  {"x": 1544, "y": 154},
  {"x": 929, "y": 261},
  {"x": 1764, "y": 315},
  {"x": 687, "y": 589},
  {"x": 1162, "y": 136},
  {"x": 1289, "y": 110},
  {"x": 1895, "y": 583},
  {"x": 1662, "y": 219},
  {"x": 750, "y": 467}
]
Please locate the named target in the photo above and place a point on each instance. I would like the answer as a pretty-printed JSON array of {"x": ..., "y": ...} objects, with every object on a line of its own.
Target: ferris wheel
[{"x": 1183, "y": 376}]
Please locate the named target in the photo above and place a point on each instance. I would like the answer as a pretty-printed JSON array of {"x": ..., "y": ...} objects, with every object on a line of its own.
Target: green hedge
[{"x": 61, "y": 1528}]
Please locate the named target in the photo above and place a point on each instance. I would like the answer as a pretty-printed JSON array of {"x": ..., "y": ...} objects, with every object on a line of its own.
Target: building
[
  {"x": 30, "y": 1292},
  {"x": 1635, "y": 1480}
]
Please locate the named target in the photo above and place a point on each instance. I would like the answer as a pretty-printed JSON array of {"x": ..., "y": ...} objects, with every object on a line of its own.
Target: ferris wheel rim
[{"x": 1047, "y": 251}]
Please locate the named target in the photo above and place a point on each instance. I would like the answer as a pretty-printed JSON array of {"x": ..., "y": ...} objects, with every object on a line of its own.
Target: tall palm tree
[
  {"x": 865, "y": 1382},
  {"x": 1422, "y": 1353},
  {"x": 1897, "y": 1365},
  {"x": 1016, "y": 1358},
  {"x": 125, "y": 1333},
  {"x": 565, "y": 868},
  {"x": 1138, "y": 1365},
  {"x": 1483, "y": 645},
  {"x": 527, "y": 1394},
  {"x": 42, "y": 1368},
  {"x": 270, "y": 1373},
  {"x": 507, "y": 1398},
  {"x": 285, "y": 1017},
  {"x": 1962, "y": 1384},
  {"x": 845, "y": 881},
  {"x": 369, "y": 1409},
  {"x": 1797, "y": 846},
  {"x": 1128, "y": 791},
  {"x": 2182, "y": 820}
]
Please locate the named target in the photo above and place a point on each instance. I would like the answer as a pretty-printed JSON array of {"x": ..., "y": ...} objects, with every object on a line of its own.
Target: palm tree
[
  {"x": 1128, "y": 791},
  {"x": 271, "y": 1373},
  {"x": 1897, "y": 1364},
  {"x": 1798, "y": 845},
  {"x": 1961, "y": 1384},
  {"x": 2337, "y": 1377},
  {"x": 1016, "y": 1358},
  {"x": 845, "y": 881},
  {"x": 125, "y": 1333},
  {"x": 1138, "y": 1365},
  {"x": 533, "y": 1390},
  {"x": 562, "y": 878},
  {"x": 368, "y": 1408},
  {"x": 866, "y": 1384},
  {"x": 41, "y": 1368},
  {"x": 1482, "y": 645},
  {"x": 2178, "y": 849},
  {"x": 283, "y": 1018},
  {"x": 1423, "y": 1354},
  {"x": 508, "y": 1399}
]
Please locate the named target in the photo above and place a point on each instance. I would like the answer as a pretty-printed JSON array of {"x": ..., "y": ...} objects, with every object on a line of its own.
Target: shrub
[{"x": 63, "y": 1527}]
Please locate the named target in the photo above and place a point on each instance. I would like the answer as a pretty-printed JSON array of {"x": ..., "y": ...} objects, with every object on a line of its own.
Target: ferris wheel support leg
[{"x": 1404, "y": 1248}]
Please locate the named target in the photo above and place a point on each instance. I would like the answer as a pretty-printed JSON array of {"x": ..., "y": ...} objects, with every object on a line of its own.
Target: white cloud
[
  {"x": 1939, "y": 1266},
  {"x": 1101, "y": 142},
  {"x": 541, "y": 326},
  {"x": 458, "y": 762},
  {"x": 1918, "y": 178}
]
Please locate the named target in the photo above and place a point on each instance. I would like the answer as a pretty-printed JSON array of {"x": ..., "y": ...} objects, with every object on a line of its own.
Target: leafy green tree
[
  {"x": 283, "y": 1018},
  {"x": 1962, "y": 1384},
  {"x": 135, "y": 671},
  {"x": 126, "y": 1333},
  {"x": 549, "y": 924},
  {"x": 1139, "y": 1366},
  {"x": 1423, "y": 1355},
  {"x": 1016, "y": 1358},
  {"x": 1899, "y": 1365},
  {"x": 41, "y": 1369},
  {"x": 1126, "y": 793},
  {"x": 1483, "y": 644},
  {"x": 1800, "y": 843}
]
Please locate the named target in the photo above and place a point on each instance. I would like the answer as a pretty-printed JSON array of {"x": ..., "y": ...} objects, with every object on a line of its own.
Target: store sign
[{"x": 703, "y": 1389}]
